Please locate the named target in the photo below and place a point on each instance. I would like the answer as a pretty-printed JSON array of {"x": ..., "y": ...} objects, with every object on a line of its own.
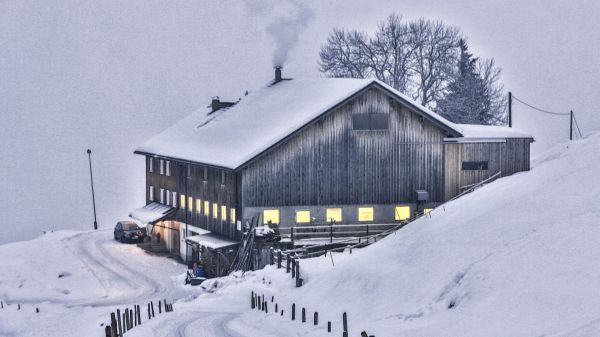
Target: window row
[
  {"x": 334, "y": 215},
  {"x": 201, "y": 207},
  {"x": 165, "y": 169},
  {"x": 164, "y": 166}
]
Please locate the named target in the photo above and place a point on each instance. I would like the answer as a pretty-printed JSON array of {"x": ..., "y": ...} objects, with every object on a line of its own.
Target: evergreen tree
[{"x": 466, "y": 101}]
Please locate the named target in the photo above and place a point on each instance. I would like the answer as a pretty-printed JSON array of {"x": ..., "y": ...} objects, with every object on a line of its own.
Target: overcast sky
[{"x": 109, "y": 74}]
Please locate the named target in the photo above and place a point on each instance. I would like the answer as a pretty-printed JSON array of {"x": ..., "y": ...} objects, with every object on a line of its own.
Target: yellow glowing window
[
  {"x": 302, "y": 216},
  {"x": 198, "y": 205},
  {"x": 271, "y": 215},
  {"x": 365, "y": 214},
  {"x": 215, "y": 210},
  {"x": 233, "y": 215},
  {"x": 402, "y": 213},
  {"x": 190, "y": 203},
  {"x": 427, "y": 210},
  {"x": 334, "y": 214},
  {"x": 182, "y": 202},
  {"x": 206, "y": 207},
  {"x": 224, "y": 213}
]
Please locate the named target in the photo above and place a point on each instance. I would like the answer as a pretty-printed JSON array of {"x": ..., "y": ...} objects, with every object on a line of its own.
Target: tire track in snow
[{"x": 121, "y": 282}]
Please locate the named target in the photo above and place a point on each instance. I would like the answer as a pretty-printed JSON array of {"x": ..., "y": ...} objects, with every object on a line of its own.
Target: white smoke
[{"x": 285, "y": 21}]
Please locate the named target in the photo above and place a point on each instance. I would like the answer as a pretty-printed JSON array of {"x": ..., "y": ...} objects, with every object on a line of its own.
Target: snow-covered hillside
[{"x": 518, "y": 257}]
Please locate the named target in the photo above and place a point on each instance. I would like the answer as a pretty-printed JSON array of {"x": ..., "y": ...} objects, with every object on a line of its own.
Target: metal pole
[
  {"x": 571, "y": 129},
  {"x": 89, "y": 152},
  {"x": 510, "y": 109}
]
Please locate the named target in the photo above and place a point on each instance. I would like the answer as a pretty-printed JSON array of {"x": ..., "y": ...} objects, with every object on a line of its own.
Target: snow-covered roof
[
  {"x": 151, "y": 212},
  {"x": 212, "y": 241},
  {"x": 486, "y": 131},
  {"x": 232, "y": 136}
]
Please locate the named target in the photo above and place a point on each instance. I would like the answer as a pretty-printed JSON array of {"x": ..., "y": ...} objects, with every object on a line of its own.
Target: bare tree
[
  {"x": 493, "y": 89},
  {"x": 435, "y": 57},
  {"x": 344, "y": 55}
]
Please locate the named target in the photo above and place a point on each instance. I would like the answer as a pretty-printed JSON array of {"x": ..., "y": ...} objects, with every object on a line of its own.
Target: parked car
[{"x": 129, "y": 231}]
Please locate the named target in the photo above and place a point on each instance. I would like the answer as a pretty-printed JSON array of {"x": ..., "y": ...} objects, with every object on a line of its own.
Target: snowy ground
[{"x": 518, "y": 257}]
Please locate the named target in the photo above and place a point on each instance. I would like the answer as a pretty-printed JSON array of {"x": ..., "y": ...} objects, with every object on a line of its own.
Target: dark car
[{"x": 129, "y": 231}]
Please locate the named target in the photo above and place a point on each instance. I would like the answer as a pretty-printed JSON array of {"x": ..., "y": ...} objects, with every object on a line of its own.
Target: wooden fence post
[
  {"x": 165, "y": 305},
  {"x": 294, "y": 268},
  {"x": 130, "y": 318},
  {"x": 271, "y": 256},
  {"x": 252, "y": 304},
  {"x": 135, "y": 322},
  {"x": 287, "y": 263},
  {"x": 293, "y": 311},
  {"x": 119, "y": 324},
  {"x": 316, "y": 318},
  {"x": 152, "y": 308},
  {"x": 124, "y": 323},
  {"x": 328, "y": 326},
  {"x": 126, "y": 313},
  {"x": 279, "y": 255},
  {"x": 266, "y": 308},
  {"x": 159, "y": 307},
  {"x": 303, "y": 315},
  {"x": 298, "y": 279},
  {"x": 272, "y": 298},
  {"x": 149, "y": 315},
  {"x": 276, "y": 308},
  {"x": 2, "y": 305},
  {"x": 364, "y": 334},
  {"x": 139, "y": 315},
  {"x": 113, "y": 325},
  {"x": 107, "y": 331}
]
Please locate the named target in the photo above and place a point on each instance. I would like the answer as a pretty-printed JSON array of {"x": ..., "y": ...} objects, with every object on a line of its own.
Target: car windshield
[{"x": 129, "y": 226}]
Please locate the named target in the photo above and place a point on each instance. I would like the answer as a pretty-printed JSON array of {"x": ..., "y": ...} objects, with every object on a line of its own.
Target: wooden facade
[{"x": 329, "y": 163}]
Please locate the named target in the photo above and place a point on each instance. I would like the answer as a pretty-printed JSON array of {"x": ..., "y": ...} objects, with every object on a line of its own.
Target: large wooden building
[{"x": 301, "y": 151}]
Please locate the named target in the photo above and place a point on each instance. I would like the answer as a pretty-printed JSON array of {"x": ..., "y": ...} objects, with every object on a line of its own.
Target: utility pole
[
  {"x": 571, "y": 129},
  {"x": 510, "y": 109},
  {"x": 89, "y": 152}
]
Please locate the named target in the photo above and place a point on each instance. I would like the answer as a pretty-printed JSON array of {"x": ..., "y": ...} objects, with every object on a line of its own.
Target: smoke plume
[{"x": 285, "y": 21}]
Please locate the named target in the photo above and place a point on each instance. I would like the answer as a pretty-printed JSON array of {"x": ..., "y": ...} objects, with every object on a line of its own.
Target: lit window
[
  {"x": 334, "y": 214},
  {"x": 191, "y": 203},
  {"x": 302, "y": 216},
  {"x": 198, "y": 205},
  {"x": 182, "y": 201},
  {"x": 151, "y": 193},
  {"x": 365, "y": 214},
  {"x": 215, "y": 210},
  {"x": 162, "y": 166},
  {"x": 271, "y": 215},
  {"x": 402, "y": 213},
  {"x": 168, "y": 168},
  {"x": 224, "y": 213},
  {"x": 427, "y": 210},
  {"x": 232, "y": 215},
  {"x": 206, "y": 207},
  {"x": 150, "y": 164},
  {"x": 174, "y": 199}
]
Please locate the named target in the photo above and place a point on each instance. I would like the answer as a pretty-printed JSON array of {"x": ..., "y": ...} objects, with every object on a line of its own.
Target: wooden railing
[{"x": 332, "y": 233}]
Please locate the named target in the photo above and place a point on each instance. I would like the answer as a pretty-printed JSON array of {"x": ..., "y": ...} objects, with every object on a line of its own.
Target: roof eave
[{"x": 185, "y": 161}]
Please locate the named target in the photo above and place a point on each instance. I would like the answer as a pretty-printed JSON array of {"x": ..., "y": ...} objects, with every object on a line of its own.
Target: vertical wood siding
[
  {"x": 508, "y": 157},
  {"x": 328, "y": 163},
  {"x": 210, "y": 190}
]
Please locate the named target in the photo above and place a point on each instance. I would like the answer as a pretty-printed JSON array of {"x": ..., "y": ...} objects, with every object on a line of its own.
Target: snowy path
[{"x": 122, "y": 282}]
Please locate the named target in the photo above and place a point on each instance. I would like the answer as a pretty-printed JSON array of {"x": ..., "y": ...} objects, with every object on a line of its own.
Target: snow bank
[{"x": 518, "y": 257}]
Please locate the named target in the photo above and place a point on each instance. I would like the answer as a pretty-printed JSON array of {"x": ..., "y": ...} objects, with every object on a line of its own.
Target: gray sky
[{"x": 108, "y": 75}]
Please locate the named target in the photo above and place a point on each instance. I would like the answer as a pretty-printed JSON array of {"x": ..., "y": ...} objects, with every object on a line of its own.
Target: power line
[{"x": 541, "y": 110}]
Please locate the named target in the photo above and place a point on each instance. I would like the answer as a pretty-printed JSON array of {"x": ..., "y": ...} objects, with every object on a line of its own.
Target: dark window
[
  {"x": 222, "y": 178},
  {"x": 474, "y": 165},
  {"x": 205, "y": 177},
  {"x": 370, "y": 121}
]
